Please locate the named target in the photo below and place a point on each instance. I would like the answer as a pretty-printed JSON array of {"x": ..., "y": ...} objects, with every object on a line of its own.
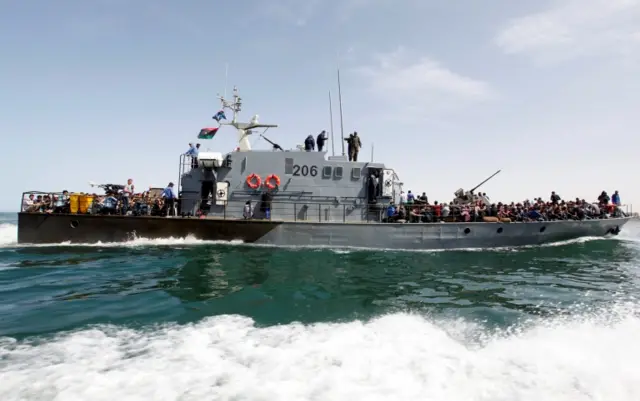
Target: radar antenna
[{"x": 243, "y": 130}]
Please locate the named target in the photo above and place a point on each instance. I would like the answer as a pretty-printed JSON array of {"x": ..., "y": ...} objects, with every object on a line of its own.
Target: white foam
[
  {"x": 6, "y": 266},
  {"x": 396, "y": 357},
  {"x": 8, "y": 234}
]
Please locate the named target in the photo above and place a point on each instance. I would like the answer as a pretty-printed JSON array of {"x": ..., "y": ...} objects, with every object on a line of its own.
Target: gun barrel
[{"x": 482, "y": 183}]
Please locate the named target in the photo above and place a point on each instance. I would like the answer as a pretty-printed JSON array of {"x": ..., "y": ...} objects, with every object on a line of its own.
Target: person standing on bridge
[
  {"x": 321, "y": 139},
  {"x": 309, "y": 144},
  {"x": 353, "y": 146}
]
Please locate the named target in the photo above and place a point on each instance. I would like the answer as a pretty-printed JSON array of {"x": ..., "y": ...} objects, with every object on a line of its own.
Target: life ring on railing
[
  {"x": 269, "y": 181},
  {"x": 253, "y": 181}
]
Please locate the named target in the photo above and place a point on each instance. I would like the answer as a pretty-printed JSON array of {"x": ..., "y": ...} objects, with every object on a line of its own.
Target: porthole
[
  {"x": 499, "y": 230},
  {"x": 74, "y": 224},
  {"x": 467, "y": 230},
  {"x": 542, "y": 229}
]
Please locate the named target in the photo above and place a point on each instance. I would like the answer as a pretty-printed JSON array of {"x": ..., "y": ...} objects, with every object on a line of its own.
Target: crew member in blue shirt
[
  {"x": 615, "y": 198},
  {"x": 193, "y": 152},
  {"x": 169, "y": 199},
  {"x": 391, "y": 212}
]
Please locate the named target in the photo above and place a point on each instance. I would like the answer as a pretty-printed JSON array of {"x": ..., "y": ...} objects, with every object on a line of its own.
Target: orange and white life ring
[
  {"x": 272, "y": 181},
  {"x": 253, "y": 181}
]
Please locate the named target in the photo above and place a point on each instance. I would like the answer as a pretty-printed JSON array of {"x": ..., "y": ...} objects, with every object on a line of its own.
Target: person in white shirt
[
  {"x": 127, "y": 193},
  {"x": 27, "y": 203}
]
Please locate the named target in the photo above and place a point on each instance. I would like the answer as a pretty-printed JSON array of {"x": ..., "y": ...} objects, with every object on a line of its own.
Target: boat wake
[
  {"x": 394, "y": 357},
  {"x": 9, "y": 239}
]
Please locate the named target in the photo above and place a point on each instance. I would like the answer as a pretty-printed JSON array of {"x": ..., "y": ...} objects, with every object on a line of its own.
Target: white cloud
[
  {"x": 575, "y": 28},
  {"x": 420, "y": 83}
]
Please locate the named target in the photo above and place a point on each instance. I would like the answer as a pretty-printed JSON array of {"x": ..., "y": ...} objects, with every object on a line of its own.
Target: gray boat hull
[{"x": 58, "y": 228}]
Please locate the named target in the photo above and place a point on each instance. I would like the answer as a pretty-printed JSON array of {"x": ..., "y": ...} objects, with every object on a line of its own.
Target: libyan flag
[{"x": 207, "y": 133}]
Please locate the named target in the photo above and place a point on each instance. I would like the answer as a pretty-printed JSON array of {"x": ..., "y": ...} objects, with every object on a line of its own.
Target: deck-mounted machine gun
[
  {"x": 275, "y": 145},
  {"x": 108, "y": 188},
  {"x": 465, "y": 198}
]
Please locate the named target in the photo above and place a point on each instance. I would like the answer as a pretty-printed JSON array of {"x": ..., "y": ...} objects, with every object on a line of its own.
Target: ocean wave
[{"x": 394, "y": 357}]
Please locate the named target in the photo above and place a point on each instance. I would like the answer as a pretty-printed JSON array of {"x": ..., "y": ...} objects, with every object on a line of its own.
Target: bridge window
[
  {"x": 337, "y": 172},
  {"x": 326, "y": 172},
  {"x": 355, "y": 173},
  {"x": 288, "y": 165}
]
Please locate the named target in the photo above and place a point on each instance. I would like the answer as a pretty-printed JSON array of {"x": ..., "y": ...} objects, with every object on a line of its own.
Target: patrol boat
[{"x": 294, "y": 198}]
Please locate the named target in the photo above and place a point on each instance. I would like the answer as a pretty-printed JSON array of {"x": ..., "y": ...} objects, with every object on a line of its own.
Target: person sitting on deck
[
  {"x": 109, "y": 204},
  {"x": 27, "y": 203},
  {"x": 61, "y": 203}
]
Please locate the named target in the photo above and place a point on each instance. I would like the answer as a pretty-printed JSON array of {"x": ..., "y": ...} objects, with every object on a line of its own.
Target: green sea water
[{"x": 182, "y": 319}]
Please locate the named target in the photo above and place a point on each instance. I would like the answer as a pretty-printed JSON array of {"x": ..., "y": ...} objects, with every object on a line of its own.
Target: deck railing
[{"x": 311, "y": 210}]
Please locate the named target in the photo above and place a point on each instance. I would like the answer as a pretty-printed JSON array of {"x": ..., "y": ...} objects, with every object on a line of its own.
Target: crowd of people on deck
[
  {"x": 123, "y": 200},
  {"x": 416, "y": 209},
  {"x": 117, "y": 200}
]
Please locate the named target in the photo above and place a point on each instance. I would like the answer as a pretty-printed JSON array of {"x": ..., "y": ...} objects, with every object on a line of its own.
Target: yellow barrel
[
  {"x": 74, "y": 202},
  {"x": 85, "y": 203},
  {"x": 89, "y": 203}
]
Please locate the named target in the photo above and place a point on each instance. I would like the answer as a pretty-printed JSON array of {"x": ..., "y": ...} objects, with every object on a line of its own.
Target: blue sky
[{"x": 449, "y": 92}]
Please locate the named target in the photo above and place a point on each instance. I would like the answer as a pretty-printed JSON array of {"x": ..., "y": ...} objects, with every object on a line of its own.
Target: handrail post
[
  {"x": 180, "y": 172},
  {"x": 295, "y": 211},
  {"x": 344, "y": 213},
  {"x": 319, "y": 212}
]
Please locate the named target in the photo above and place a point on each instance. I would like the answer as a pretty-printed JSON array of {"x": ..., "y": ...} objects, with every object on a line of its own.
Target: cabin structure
[{"x": 298, "y": 185}]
